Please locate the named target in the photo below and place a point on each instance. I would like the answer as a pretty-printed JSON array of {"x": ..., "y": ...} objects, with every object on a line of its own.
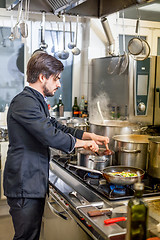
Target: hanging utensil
[
  {"x": 76, "y": 50},
  {"x": 15, "y": 28},
  {"x": 115, "y": 60},
  {"x": 3, "y": 38},
  {"x": 145, "y": 53},
  {"x": 56, "y": 54},
  {"x": 11, "y": 37},
  {"x": 135, "y": 45},
  {"x": 124, "y": 57},
  {"x": 23, "y": 24},
  {"x": 71, "y": 44},
  {"x": 43, "y": 45},
  {"x": 63, "y": 54},
  {"x": 52, "y": 38}
]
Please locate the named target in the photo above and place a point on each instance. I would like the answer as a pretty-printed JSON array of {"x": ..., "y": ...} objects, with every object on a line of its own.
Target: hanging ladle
[
  {"x": 43, "y": 45},
  {"x": 15, "y": 28},
  {"x": 63, "y": 54},
  {"x": 75, "y": 50},
  {"x": 11, "y": 37},
  {"x": 23, "y": 24},
  {"x": 71, "y": 45},
  {"x": 56, "y": 54}
]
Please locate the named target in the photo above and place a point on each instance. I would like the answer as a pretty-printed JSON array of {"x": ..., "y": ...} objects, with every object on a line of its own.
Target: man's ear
[{"x": 42, "y": 78}]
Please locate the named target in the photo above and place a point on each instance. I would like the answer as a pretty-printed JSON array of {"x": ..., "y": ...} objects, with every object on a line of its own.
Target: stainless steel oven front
[{"x": 59, "y": 222}]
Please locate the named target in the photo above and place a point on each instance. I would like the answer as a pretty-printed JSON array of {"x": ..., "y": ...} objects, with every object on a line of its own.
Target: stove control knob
[{"x": 141, "y": 107}]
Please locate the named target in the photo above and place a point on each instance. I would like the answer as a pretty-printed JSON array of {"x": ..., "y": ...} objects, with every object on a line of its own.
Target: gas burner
[
  {"x": 93, "y": 175},
  {"x": 114, "y": 192},
  {"x": 92, "y": 178},
  {"x": 117, "y": 190}
]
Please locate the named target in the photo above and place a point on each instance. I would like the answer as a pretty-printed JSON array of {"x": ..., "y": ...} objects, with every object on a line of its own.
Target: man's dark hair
[{"x": 42, "y": 63}]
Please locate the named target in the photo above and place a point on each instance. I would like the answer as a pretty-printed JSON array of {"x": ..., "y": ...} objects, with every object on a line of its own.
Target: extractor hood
[{"x": 85, "y": 8}]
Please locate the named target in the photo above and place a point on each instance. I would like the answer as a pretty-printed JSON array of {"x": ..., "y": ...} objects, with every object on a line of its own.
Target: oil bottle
[
  {"x": 75, "y": 108},
  {"x": 60, "y": 107},
  {"x": 137, "y": 215}
]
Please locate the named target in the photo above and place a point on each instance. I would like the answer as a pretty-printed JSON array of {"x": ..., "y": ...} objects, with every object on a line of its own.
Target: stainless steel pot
[
  {"x": 111, "y": 128},
  {"x": 131, "y": 150},
  {"x": 153, "y": 168},
  {"x": 87, "y": 158},
  {"x": 79, "y": 123}
]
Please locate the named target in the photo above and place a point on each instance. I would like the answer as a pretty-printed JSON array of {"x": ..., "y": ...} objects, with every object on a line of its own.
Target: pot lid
[
  {"x": 132, "y": 138},
  {"x": 155, "y": 139},
  {"x": 114, "y": 123}
]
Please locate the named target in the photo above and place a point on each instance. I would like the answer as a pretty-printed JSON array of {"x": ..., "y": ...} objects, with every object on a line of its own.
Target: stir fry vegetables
[{"x": 123, "y": 174}]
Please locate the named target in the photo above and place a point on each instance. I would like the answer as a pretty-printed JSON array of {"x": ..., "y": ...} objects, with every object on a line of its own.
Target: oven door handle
[{"x": 56, "y": 212}]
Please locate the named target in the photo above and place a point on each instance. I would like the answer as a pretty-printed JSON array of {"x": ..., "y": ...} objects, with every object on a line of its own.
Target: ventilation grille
[{"x": 61, "y": 4}]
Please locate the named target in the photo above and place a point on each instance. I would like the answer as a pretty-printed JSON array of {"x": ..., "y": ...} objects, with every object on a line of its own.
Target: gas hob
[{"x": 96, "y": 181}]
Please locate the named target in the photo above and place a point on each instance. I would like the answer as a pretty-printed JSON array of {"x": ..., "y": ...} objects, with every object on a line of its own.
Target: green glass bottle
[
  {"x": 137, "y": 215},
  {"x": 60, "y": 107},
  {"x": 81, "y": 106},
  {"x": 75, "y": 108}
]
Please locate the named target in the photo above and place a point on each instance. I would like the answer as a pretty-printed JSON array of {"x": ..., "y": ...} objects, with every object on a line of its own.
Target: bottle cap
[{"x": 139, "y": 186}]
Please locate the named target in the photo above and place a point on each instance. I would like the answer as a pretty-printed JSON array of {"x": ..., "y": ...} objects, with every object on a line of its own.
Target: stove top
[{"x": 98, "y": 183}]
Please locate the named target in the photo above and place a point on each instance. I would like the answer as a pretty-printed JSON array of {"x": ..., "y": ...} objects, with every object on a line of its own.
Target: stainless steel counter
[{"x": 64, "y": 183}]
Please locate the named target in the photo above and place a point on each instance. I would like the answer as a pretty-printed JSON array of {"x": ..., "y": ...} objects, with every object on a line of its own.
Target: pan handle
[{"x": 130, "y": 151}]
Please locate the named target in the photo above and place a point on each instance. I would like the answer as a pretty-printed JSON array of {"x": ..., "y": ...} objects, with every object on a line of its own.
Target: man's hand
[
  {"x": 100, "y": 140},
  {"x": 88, "y": 144}
]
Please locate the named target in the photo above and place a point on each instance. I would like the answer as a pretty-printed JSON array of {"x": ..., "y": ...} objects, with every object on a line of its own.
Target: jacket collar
[{"x": 39, "y": 96}]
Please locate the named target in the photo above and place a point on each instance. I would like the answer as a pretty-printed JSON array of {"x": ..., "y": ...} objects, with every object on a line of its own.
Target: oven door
[{"x": 58, "y": 221}]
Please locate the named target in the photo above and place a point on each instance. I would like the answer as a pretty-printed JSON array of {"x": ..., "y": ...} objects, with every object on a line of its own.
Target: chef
[{"x": 31, "y": 132}]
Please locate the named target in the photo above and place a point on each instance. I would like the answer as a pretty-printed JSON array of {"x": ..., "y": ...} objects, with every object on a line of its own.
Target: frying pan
[{"x": 117, "y": 180}]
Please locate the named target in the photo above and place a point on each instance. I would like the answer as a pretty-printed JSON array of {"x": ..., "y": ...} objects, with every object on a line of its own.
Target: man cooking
[{"x": 31, "y": 132}]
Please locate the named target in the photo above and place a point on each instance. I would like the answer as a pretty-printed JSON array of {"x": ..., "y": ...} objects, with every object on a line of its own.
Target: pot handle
[
  {"x": 130, "y": 151},
  {"x": 94, "y": 159}
]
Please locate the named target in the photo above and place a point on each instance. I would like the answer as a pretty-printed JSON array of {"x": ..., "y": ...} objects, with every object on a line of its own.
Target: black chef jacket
[{"x": 31, "y": 132}]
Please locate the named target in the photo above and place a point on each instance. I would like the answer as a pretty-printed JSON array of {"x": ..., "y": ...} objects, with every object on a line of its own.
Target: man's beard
[{"x": 46, "y": 92}]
